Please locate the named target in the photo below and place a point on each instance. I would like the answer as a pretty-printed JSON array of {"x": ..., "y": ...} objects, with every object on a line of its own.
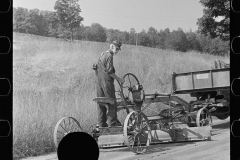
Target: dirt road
[{"x": 218, "y": 148}]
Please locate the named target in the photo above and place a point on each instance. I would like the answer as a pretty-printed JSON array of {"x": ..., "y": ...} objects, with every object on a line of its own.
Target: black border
[
  {"x": 6, "y": 64},
  {"x": 234, "y": 73}
]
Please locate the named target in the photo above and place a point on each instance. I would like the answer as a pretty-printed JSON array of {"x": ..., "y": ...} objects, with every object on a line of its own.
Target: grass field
[{"x": 53, "y": 79}]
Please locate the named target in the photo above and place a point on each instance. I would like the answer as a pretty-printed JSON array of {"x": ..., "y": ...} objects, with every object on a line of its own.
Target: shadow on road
[{"x": 224, "y": 125}]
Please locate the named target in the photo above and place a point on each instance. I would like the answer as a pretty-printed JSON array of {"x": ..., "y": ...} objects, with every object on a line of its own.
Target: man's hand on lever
[{"x": 121, "y": 80}]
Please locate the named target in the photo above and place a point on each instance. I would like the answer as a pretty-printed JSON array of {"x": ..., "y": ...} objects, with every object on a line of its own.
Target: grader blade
[
  {"x": 182, "y": 134},
  {"x": 115, "y": 140}
]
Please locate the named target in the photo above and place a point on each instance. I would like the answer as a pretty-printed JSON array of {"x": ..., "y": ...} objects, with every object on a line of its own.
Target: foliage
[
  {"x": 193, "y": 43},
  {"x": 177, "y": 40},
  {"x": 51, "y": 24},
  {"x": 208, "y": 25},
  {"x": 68, "y": 13},
  {"x": 162, "y": 38},
  {"x": 115, "y": 34},
  {"x": 143, "y": 39},
  {"x": 219, "y": 47},
  {"x": 79, "y": 32},
  {"x": 132, "y": 36},
  {"x": 19, "y": 19},
  {"x": 95, "y": 33},
  {"x": 153, "y": 37},
  {"x": 204, "y": 42}
]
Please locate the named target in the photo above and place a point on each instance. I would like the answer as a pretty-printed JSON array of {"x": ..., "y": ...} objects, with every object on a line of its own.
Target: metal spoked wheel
[
  {"x": 130, "y": 81},
  {"x": 126, "y": 88},
  {"x": 65, "y": 126},
  {"x": 137, "y": 132},
  {"x": 123, "y": 91},
  {"x": 203, "y": 118}
]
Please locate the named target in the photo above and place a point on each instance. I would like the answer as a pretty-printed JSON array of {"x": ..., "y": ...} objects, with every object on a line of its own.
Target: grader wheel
[
  {"x": 65, "y": 126},
  {"x": 137, "y": 132},
  {"x": 130, "y": 81},
  {"x": 203, "y": 118},
  {"x": 123, "y": 91},
  {"x": 125, "y": 88}
]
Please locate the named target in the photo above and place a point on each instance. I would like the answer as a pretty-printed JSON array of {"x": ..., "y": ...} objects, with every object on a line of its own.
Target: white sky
[{"x": 126, "y": 14}]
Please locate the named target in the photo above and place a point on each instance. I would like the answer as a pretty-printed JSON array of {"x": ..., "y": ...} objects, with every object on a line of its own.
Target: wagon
[
  {"x": 177, "y": 121},
  {"x": 210, "y": 88}
]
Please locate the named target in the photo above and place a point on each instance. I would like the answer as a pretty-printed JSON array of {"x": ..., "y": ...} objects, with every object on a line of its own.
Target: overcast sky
[{"x": 126, "y": 14}]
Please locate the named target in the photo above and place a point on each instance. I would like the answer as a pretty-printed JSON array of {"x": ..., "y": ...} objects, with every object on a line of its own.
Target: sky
[{"x": 127, "y": 14}]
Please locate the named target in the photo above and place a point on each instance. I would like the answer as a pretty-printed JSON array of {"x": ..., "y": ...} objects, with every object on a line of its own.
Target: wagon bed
[{"x": 207, "y": 80}]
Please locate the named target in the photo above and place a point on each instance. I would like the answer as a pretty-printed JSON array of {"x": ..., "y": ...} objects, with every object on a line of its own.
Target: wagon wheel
[
  {"x": 203, "y": 118},
  {"x": 222, "y": 116},
  {"x": 64, "y": 126},
  {"x": 137, "y": 132}
]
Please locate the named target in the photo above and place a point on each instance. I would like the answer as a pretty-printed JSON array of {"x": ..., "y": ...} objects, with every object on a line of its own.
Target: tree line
[{"x": 66, "y": 24}]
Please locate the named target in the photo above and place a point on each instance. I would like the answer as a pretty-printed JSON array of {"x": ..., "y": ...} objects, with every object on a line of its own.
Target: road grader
[{"x": 175, "y": 120}]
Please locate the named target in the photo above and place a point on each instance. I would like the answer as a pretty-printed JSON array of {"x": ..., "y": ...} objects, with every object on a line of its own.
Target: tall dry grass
[{"x": 53, "y": 78}]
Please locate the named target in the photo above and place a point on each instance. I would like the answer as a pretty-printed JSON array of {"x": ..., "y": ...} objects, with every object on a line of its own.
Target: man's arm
[
  {"x": 111, "y": 70},
  {"x": 113, "y": 75}
]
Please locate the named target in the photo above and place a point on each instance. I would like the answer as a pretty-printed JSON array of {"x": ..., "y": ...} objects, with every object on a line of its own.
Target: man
[{"x": 105, "y": 85}]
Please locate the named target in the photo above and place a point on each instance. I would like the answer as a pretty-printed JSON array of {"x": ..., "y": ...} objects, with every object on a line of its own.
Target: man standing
[{"x": 105, "y": 85}]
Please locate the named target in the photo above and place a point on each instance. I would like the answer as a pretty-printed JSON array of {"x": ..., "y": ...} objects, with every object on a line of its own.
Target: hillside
[{"x": 54, "y": 78}]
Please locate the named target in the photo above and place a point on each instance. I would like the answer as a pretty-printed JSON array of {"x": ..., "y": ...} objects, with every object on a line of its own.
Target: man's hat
[{"x": 117, "y": 44}]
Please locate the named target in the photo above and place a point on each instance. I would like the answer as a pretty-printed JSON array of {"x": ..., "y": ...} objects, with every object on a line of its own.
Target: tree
[
  {"x": 68, "y": 13},
  {"x": 87, "y": 34},
  {"x": 219, "y": 47},
  {"x": 35, "y": 23},
  {"x": 48, "y": 23},
  {"x": 19, "y": 19},
  {"x": 204, "y": 42},
  {"x": 126, "y": 37},
  {"x": 79, "y": 34},
  {"x": 143, "y": 39},
  {"x": 98, "y": 33},
  {"x": 132, "y": 36},
  {"x": 153, "y": 37},
  {"x": 115, "y": 34},
  {"x": 53, "y": 24},
  {"x": 177, "y": 40},
  {"x": 110, "y": 35},
  {"x": 162, "y": 37},
  {"x": 193, "y": 43},
  {"x": 208, "y": 25}
]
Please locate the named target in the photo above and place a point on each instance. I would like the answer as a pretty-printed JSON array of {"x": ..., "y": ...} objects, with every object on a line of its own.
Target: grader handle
[{"x": 158, "y": 94}]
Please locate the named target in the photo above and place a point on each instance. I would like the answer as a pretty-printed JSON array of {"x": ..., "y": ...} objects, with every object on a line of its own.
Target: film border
[{"x": 6, "y": 73}]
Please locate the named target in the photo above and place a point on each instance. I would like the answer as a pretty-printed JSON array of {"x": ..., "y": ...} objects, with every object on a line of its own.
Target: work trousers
[{"x": 105, "y": 88}]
